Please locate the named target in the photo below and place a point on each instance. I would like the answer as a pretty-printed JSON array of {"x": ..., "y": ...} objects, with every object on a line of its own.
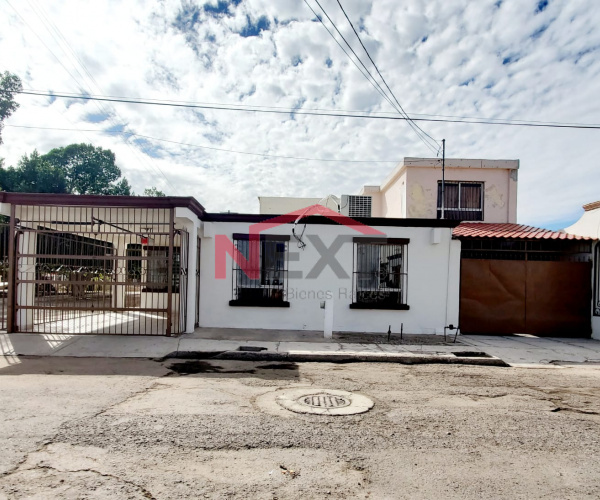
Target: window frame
[
  {"x": 460, "y": 210},
  {"x": 358, "y": 301},
  {"x": 278, "y": 291}
]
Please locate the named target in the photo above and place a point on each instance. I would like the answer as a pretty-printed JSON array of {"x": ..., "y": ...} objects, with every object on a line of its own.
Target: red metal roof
[{"x": 514, "y": 231}]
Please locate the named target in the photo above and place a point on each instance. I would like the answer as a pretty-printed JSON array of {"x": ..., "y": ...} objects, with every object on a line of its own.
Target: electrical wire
[
  {"x": 476, "y": 121},
  {"x": 334, "y": 110},
  {"x": 367, "y": 75},
  {"x": 207, "y": 147},
  {"x": 290, "y": 110},
  {"x": 432, "y": 146},
  {"x": 380, "y": 75},
  {"x": 57, "y": 35}
]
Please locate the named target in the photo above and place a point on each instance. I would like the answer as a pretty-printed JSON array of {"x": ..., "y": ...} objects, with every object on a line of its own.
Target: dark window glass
[{"x": 270, "y": 284}]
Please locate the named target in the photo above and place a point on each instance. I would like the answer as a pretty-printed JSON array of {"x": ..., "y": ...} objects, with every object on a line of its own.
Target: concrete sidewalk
[{"x": 514, "y": 350}]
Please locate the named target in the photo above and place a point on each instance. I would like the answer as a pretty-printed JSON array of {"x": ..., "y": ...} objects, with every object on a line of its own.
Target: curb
[{"x": 403, "y": 359}]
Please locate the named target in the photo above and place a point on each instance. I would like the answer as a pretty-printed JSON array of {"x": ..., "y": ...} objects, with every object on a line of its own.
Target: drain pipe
[{"x": 328, "y": 319}]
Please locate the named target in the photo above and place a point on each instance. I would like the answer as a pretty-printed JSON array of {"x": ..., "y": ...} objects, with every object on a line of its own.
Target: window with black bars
[
  {"x": 380, "y": 273},
  {"x": 462, "y": 201},
  {"x": 262, "y": 278}
]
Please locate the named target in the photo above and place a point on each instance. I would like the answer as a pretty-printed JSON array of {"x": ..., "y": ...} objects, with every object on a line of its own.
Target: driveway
[{"x": 132, "y": 428}]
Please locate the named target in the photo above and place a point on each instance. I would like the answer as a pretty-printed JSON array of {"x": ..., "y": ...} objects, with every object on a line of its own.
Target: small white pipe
[{"x": 328, "y": 326}]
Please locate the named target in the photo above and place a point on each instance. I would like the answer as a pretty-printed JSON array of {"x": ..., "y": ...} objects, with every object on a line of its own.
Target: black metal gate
[{"x": 108, "y": 270}]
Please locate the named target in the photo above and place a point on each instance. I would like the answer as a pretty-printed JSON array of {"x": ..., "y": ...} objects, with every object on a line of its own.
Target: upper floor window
[
  {"x": 463, "y": 200},
  {"x": 380, "y": 273},
  {"x": 269, "y": 288}
]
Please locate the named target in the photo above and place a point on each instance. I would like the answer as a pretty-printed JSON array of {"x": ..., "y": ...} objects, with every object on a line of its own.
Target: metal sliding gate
[{"x": 98, "y": 270}]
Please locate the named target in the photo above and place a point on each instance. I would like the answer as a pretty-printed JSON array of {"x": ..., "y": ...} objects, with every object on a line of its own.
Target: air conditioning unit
[{"x": 356, "y": 206}]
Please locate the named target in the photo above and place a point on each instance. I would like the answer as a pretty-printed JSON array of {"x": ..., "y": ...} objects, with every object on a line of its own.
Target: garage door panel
[
  {"x": 558, "y": 298},
  {"x": 492, "y": 296}
]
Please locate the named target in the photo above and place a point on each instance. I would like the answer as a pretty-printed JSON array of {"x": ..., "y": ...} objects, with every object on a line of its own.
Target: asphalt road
[{"x": 125, "y": 428}]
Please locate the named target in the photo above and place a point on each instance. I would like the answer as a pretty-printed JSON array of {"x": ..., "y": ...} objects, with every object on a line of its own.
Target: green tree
[
  {"x": 9, "y": 86},
  {"x": 153, "y": 192},
  {"x": 33, "y": 174},
  {"x": 89, "y": 169}
]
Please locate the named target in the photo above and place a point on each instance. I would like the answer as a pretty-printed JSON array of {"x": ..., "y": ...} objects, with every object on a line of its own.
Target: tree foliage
[
  {"x": 33, "y": 174},
  {"x": 89, "y": 169},
  {"x": 153, "y": 191},
  {"x": 9, "y": 86}
]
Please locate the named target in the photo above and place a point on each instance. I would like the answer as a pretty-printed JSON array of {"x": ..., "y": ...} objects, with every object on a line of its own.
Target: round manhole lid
[{"x": 324, "y": 402}]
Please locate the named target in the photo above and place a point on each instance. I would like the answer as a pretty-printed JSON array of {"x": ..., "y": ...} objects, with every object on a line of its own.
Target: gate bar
[
  {"x": 12, "y": 241},
  {"x": 170, "y": 272}
]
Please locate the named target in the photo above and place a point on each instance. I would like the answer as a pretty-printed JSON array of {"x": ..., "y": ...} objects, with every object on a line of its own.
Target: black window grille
[
  {"x": 597, "y": 280},
  {"x": 267, "y": 284},
  {"x": 380, "y": 274},
  {"x": 462, "y": 201}
]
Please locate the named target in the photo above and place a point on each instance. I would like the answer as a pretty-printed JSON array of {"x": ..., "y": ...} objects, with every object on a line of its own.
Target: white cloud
[{"x": 440, "y": 57}]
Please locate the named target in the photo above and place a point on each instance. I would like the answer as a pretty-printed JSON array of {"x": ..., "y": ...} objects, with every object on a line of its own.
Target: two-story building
[{"x": 474, "y": 190}]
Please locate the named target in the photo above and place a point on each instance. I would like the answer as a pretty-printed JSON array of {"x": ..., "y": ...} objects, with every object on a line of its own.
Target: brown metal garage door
[{"x": 544, "y": 298}]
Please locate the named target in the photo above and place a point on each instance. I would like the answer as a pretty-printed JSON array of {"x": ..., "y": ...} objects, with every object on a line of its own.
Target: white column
[
  {"x": 120, "y": 274},
  {"x": 328, "y": 326},
  {"x": 453, "y": 284},
  {"x": 192, "y": 229},
  {"x": 26, "y": 271}
]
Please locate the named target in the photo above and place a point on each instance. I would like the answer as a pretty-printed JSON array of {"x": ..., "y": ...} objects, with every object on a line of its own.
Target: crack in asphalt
[
  {"x": 50, "y": 440},
  {"x": 143, "y": 490},
  {"x": 18, "y": 465}
]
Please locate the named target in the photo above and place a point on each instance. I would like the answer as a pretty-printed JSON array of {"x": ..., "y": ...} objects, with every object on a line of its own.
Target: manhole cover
[{"x": 324, "y": 402}]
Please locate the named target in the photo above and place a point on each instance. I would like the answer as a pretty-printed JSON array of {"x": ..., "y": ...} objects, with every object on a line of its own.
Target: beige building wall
[
  {"x": 278, "y": 205},
  {"x": 411, "y": 189}
]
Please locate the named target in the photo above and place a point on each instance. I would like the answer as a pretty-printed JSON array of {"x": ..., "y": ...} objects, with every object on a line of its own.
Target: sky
[{"x": 497, "y": 59}]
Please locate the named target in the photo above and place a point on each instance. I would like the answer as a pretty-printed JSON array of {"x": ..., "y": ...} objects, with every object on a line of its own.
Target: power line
[
  {"x": 379, "y": 73},
  {"x": 432, "y": 146},
  {"x": 475, "y": 121},
  {"x": 327, "y": 110},
  {"x": 57, "y": 36},
  {"x": 367, "y": 75},
  {"x": 209, "y": 147}
]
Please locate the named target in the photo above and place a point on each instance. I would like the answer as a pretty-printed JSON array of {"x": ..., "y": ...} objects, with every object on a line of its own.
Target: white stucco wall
[
  {"x": 393, "y": 196},
  {"x": 433, "y": 285}
]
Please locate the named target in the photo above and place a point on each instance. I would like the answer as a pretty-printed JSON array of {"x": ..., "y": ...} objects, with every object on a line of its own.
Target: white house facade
[{"x": 407, "y": 275}]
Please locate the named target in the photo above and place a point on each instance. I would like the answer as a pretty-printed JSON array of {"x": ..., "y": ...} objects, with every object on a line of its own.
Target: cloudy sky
[{"x": 500, "y": 59}]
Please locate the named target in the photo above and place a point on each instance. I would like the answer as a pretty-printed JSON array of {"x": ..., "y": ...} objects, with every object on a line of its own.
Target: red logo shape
[{"x": 251, "y": 266}]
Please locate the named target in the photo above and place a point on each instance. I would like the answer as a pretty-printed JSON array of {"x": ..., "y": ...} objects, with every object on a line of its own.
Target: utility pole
[{"x": 443, "y": 178}]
